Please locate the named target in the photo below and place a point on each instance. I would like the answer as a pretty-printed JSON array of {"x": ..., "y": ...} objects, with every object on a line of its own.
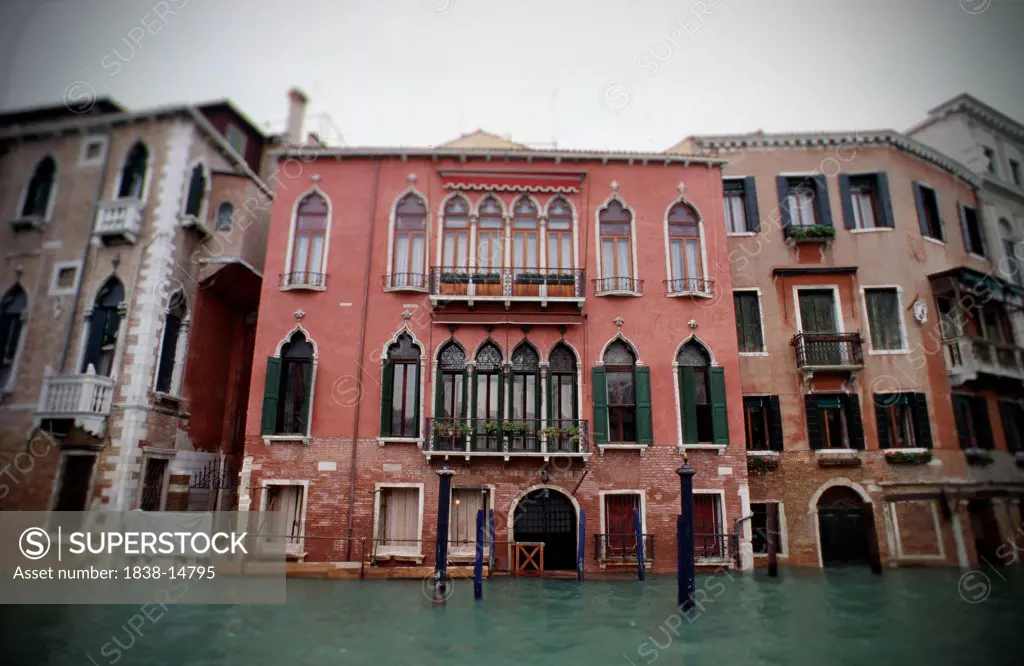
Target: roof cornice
[
  {"x": 890, "y": 138},
  {"x": 981, "y": 112}
]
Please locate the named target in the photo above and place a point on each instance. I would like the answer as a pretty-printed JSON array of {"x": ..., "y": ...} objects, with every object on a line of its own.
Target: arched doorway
[
  {"x": 548, "y": 516},
  {"x": 845, "y": 527}
]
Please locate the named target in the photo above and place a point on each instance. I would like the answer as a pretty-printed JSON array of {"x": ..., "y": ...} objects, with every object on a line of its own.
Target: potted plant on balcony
[
  {"x": 492, "y": 428},
  {"x": 528, "y": 283},
  {"x": 454, "y": 283},
  {"x": 815, "y": 233},
  {"x": 896, "y": 456},
  {"x": 488, "y": 283},
  {"x": 561, "y": 284},
  {"x": 760, "y": 465},
  {"x": 449, "y": 429}
]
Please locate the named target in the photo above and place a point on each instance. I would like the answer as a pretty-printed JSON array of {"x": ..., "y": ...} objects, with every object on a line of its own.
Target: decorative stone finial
[
  {"x": 692, "y": 324},
  {"x": 682, "y": 187},
  {"x": 619, "y": 321},
  {"x": 315, "y": 178},
  {"x": 116, "y": 261},
  {"x": 411, "y": 178},
  {"x": 615, "y": 186},
  {"x": 299, "y": 314},
  {"x": 406, "y": 315}
]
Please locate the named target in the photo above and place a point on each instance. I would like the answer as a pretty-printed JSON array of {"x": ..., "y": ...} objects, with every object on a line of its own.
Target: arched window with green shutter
[
  {"x": 702, "y": 398},
  {"x": 288, "y": 389},
  {"x": 622, "y": 398},
  {"x": 400, "y": 389}
]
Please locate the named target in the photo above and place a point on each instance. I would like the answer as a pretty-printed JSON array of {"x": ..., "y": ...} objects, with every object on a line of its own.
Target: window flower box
[
  {"x": 530, "y": 278},
  {"x": 898, "y": 457},
  {"x": 758, "y": 465},
  {"x": 487, "y": 284},
  {"x": 456, "y": 284},
  {"x": 816, "y": 233},
  {"x": 978, "y": 456},
  {"x": 449, "y": 429},
  {"x": 838, "y": 458}
]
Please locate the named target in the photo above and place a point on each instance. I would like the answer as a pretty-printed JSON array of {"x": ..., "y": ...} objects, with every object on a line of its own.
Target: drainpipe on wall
[
  {"x": 85, "y": 253},
  {"x": 359, "y": 361}
]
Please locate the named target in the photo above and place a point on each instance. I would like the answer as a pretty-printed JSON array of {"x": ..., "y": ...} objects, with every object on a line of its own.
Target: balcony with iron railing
[
  {"x": 119, "y": 220},
  {"x": 620, "y": 548},
  {"x": 536, "y": 285},
  {"x": 507, "y": 437},
  {"x": 304, "y": 280},
  {"x": 828, "y": 351},
  {"x": 968, "y": 357},
  {"x": 618, "y": 286},
  {"x": 689, "y": 287},
  {"x": 84, "y": 399},
  {"x": 716, "y": 549},
  {"x": 405, "y": 281}
]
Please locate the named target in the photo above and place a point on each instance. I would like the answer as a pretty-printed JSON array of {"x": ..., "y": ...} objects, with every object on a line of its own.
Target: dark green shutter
[
  {"x": 305, "y": 413},
  {"x": 854, "y": 424},
  {"x": 1008, "y": 414},
  {"x": 688, "y": 396},
  {"x": 847, "y": 202},
  {"x": 271, "y": 386},
  {"x": 719, "y": 411},
  {"x": 644, "y": 427},
  {"x": 822, "y": 201},
  {"x": 750, "y": 198},
  {"x": 938, "y": 216},
  {"x": 813, "y": 422},
  {"x": 882, "y": 420},
  {"x": 885, "y": 199},
  {"x": 551, "y": 398},
  {"x": 782, "y": 190},
  {"x": 415, "y": 399},
  {"x": 961, "y": 211},
  {"x": 465, "y": 394},
  {"x": 922, "y": 427},
  {"x": 922, "y": 219},
  {"x": 961, "y": 413},
  {"x": 774, "y": 423},
  {"x": 438, "y": 394},
  {"x": 599, "y": 388},
  {"x": 982, "y": 425},
  {"x": 387, "y": 388},
  {"x": 981, "y": 231}
]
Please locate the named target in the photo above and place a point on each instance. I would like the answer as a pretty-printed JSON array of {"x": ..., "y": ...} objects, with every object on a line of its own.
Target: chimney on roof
[{"x": 296, "y": 116}]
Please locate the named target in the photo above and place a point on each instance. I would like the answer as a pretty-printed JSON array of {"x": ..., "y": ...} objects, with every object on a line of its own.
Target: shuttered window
[
  {"x": 288, "y": 388},
  {"x": 702, "y": 397},
  {"x": 622, "y": 398},
  {"x": 971, "y": 230},
  {"x": 973, "y": 428},
  {"x": 1012, "y": 416},
  {"x": 740, "y": 199},
  {"x": 748, "y": 321},
  {"x": 400, "y": 389},
  {"x": 883, "y": 308},
  {"x": 928, "y": 216},
  {"x": 902, "y": 420},
  {"x": 834, "y": 421},
  {"x": 398, "y": 521},
  {"x": 763, "y": 422}
]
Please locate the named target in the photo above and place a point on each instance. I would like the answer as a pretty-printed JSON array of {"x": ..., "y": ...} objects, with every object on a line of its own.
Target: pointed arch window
[
  {"x": 490, "y": 245},
  {"x": 701, "y": 396},
  {"x": 40, "y": 189},
  {"x": 133, "y": 173},
  {"x": 616, "y": 230},
  {"x": 410, "y": 243},
  {"x": 400, "y": 389},
  {"x": 225, "y": 211},
  {"x": 288, "y": 389},
  {"x": 309, "y": 244},
  {"x": 620, "y": 372},
  {"x": 525, "y": 237},
  {"x": 684, "y": 249},
  {"x": 450, "y": 403},
  {"x": 13, "y": 309},
  {"x": 524, "y": 397},
  {"x": 168, "y": 375},
  {"x": 563, "y": 411},
  {"x": 559, "y": 252},
  {"x": 488, "y": 397},
  {"x": 455, "y": 243},
  {"x": 103, "y": 328},
  {"x": 197, "y": 186}
]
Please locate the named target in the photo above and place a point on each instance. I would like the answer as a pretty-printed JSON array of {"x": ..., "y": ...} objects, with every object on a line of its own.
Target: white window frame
[
  {"x": 147, "y": 178},
  {"x": 12, "y": 380},
  {"x": 632, "y": 232},
  {"x": 782, "y": 527},
  {"x": 392, "y": 220},
  {"x": 303, "y": 438},
  {"x": 720, "y": 492},
  {"x": 463, "y": 554},
  {"x": 58, "y": 266},
  {"x": 51, "y": 202},
  {"x": 603, "y": 527},
  {"x": 668, "y": 249},
  {"x": 575, "y": 231},
  {"x": 760, "y": 311},
  {"x": 291, "y": 240},
  {"x": 398, "y": 552},
  {"x": 893, "y": 519},
  {"x": 818, "y": 287},
  {"x": 878, "y": 228},
  {"x": 181, "y": 345},
  {"x": 746, "y": 213},
  {"x": 422, "y": 388},
  {"x": 83, "y": 152},
  {"x": 155, "y": 453},
  {"x": 265, "y": 485},
  {"x": 867, "y": 320},
  {"x": 204, "y": 202},
  {"x": 938, "y": 241}
]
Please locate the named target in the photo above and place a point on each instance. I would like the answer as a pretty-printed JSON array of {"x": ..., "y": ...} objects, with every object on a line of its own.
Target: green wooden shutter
[
  {"x": 782, "y": 191},
  {"x": 982, "y": 425},
  {"x": 415, "y": 400},
  {"x": 1008, "y": 414},
  {"x": 306, "y": 412},
  {"x": 922, "y": 219},
  {"x": 599, "y": 387},
  {"x": 822, "y": 200},
  {"x": 551, "y": 397},
  {"x": 719, "y": 411},
  {"x": 885, "y": 199},
  {"x": 854, "y": 426},
  {"x": 961, "y": 413},
  {"x": 644, "y": 427},
  {"x": 965, "y": 233},
  {"x": 775, "y": 423},
  {"x": 922, "y": 427},
  {"x": 750, "y": 199},
  {"x": 438, "y": 395},
  {"x": 849, "y": 221},
  {"x": 387, "y": 387},
  {"x": 882, "y": 420},
  {"x": 271, "y": 386},
  {"x": 813, "y": 422},
  {"x": 688, "y": 397}
]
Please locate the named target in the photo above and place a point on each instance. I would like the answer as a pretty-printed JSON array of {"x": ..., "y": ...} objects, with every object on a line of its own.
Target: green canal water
[{"x": 912, "y": 617}]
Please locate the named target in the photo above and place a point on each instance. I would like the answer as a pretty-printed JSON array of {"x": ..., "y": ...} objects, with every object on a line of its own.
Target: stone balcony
[
  {"x": 118, "y": 221},
  {"x": 84, "y": 399},
  {"x": 968, "y": 357}
]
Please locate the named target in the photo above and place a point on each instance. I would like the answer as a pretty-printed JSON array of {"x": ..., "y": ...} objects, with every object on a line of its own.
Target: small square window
[
  {"x": 236, "y": 139},
  {"x": 931, "y": 219},
  {"x": 93, "y": 150},
  {"x": 64, "y": 279}
]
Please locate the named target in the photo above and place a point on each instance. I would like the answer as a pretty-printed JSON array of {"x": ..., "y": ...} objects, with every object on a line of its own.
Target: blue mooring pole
[
  {"x": 684, "y": 529},
  {"x": 581, "y": 549},
  {"x": 444, "y": 506},
  {"x": 478, "y": 564},
  {"x": 490, "y": 520},
  {"x": 638, "y": 528}
]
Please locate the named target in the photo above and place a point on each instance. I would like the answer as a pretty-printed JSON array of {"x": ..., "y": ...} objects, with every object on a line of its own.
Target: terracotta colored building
[
  {"x": 555, "y": 325},
  {"x": 133, "y": 248},
  {"x": 862, "y": 285}
]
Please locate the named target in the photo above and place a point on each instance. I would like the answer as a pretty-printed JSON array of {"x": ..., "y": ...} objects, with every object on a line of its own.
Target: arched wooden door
[
  {"x": 548, "y": 516},
  {"x": 845, "y": 527}
]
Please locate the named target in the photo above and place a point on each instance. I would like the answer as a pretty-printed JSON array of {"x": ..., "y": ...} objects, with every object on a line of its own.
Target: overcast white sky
[{"x": 634, "y": 75}]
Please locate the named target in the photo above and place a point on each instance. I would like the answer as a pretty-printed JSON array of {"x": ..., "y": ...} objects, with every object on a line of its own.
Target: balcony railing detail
[
  {"x": 828, "y": 350},
  {"x": 303, "y": 280},
  {"x": 84, "y": 398},
  {"x": 620, "y": 548},
  {"x": 507, "y": 436},
  {"x": 689, "y": 286},
  {"x": 715, "y": 547},
  {"x": 967, "y": 357},
  {"x": 119, "y": 220},
  {"x": 417, "y": 281},
  {"x": 614, "y": 285},
  {"x": 507, "y": 283}
]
